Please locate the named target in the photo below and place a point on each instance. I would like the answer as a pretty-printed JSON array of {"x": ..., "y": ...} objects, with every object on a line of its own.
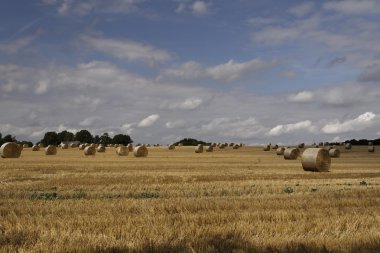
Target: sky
[{"x": 251, "y": 71}]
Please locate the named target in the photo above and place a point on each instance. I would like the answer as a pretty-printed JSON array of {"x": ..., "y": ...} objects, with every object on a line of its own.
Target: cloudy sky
[{"x": 251, "y": 71}]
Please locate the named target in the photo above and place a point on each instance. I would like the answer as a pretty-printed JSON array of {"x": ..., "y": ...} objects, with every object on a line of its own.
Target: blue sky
[{"x": 245, "y": 71}]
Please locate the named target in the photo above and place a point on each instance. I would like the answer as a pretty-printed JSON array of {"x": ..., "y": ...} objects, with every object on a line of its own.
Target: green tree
[
  {"x": 190, "y": 142},
  {"x": 65, "y": 136},
  {"x": 105, "y": 139},
  {"x": 50, "y": 138},
  {"x": 96, "y": 139},
  {"x": 84, "y": 136},
  {"x": 122, "y": 139}
]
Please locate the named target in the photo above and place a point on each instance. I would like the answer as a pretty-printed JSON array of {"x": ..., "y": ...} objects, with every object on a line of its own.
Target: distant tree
[
  {"x": 96, "y": 139},
  {"x": 105, "y": 139},
  {"x": 65, "y": 136},
  {"x": 190, "y": 142},
  {"x": 50, "y": 138},
  {"x": 122, "y": 139},
  {"x": 84, "y": 136}
]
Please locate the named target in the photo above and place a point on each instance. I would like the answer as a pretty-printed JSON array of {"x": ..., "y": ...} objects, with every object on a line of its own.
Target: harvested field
[{"x": 244, "y": 200}]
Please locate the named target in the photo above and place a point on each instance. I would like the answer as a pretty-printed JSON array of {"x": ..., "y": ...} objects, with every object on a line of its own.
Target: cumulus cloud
[
  {"x": 363, "y": 121},
  {"x": 187, "y": 104},
  {"x": 231, "y": 127},
  {"x": 291, "y": 128},
  {"x": 149, "y": 121},
  {"x": 85, "y": 7},
  {"x": 303, "y": 96},
  {"x": 199, "y": 8},
  {"x": 302, "y": 9},
  {"x": 229, "y": 71},
  {"x": 175, "y": 124},
  {"x": 13, "y": 47},
  {"x": 370, "y": 75},
  {"x": 128, "y": 50},
  {"x": 353, "y": 6},
  {"x": 89, "y": 121}
]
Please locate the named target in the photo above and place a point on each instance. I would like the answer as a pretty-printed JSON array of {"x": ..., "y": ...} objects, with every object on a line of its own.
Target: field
[{"x": 244, "y": 200}]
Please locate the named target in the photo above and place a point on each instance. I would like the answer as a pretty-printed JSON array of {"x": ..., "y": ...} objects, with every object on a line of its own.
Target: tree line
[{"x": 83, "y": 136}]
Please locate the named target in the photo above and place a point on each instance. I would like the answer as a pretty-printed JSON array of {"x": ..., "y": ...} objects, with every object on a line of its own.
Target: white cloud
[
  {"x": 89, "y": 121},
  {"x": 199, "y": 8},
  {"x": 302, "y": 9},
  {"x": 13, "y": 47},
  {"x": 180, "y": 8},
  {"x": 276, "y": 35},
  {"x": 290, "y": 128},
  {"x": 361, "y": 122},
  {"x": 229, "y": 71},
  {"x": 353, "y": 6},
  {"x": 175, "y": 124},
  {"x": 187, "y": 104},
  {"x": 149, "y": 121},
  {"x": 303, "y": 96},
  {"x": 128, "y": 50}
]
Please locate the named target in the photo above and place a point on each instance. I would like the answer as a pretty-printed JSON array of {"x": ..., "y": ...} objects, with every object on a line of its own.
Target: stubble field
[{"x": 244, "y": 200}]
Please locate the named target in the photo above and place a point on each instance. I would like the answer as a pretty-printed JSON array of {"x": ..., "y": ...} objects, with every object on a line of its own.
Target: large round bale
[
  {"x": 348, "y": 146},
  {"x": 334, "y": 152},
  {"x": 89, "y": 150},
  {"x": 209, "y": 148},
  {"x": 36, "y": 148},
  {"x": 101, "y": 149},
  {"x": 130, "y": 147},
  {"x": 213, "y": 145},
  {"x": 51, "y": 150},
  {"x": 199, "y": 148},
  {"x": 275, "y": 147},
  {"x": 301, "y": 145},
  {"x": 171, "y": 147},
  {"x": 10, "y": 150},
  {"x": 73, "y": 145},
  {"x": 371, "y": 149},
  {"x": 280, "y": 151},
  {"x": 266, "y": 147},
  {"x": 236, "y": 146},
  {"x": 82, "y": 146},
  {"x": 122, "y": 151},
  {"x": 64, "y": 146},
  {"x": 316, "y": 159},
  {"x": 291, "y": 153},
  {"x": 221, "y": 146},
  {"x": 140, "y": 151},
  {"x": 231, "y": 144}
]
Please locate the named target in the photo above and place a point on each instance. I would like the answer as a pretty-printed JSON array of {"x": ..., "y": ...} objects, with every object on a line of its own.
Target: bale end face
[
  {"x": 122, "y": 151},
  {"x": 51, "y": 150},
  {"x": 291, "y": 153},
  {"x": 316, "y": 160},
  {"x": 10, "y": 150},
  {"x": 280, "y": 151},
  {"x": 199, "y": 148},
  {"x": 334, "y": 153},
  {"x": 140, "y": 151},
  {"x": 90, "y": 150}
]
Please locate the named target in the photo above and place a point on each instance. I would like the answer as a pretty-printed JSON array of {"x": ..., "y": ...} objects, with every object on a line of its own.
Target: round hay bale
[
  {"x": 10, "y": 150},
  {"x": 275, "y": 147},
  {"x": 231, "y": 144},
  {"x": 171, "y": 147},
  {"x": 101, "y": 149},
  {"x": 122, "y": 151},
  {"x": 140, "y": 151},
  {"x": 89, "y": 150},
  {"x": 348, "y": 146},
  {"x": 236, "y": 146},
  {"x": 301, "y": 145},
  {"x": 199, "y": 148},
  {"x": 213, "y": 145},
  {"x": 266, "y": 147},
  {"x": 291, "y": 153},
  {"x": 222, "y": 146},
  {"x": 51, "y": 150},
  {"x": 371, "y": 149},
  {"x": 334, "y": 152},
  {"x": 73, "y": 145},
  {"x": 130, "y": 147},
  {"x": 82, "y": 147},
  {"x": 280, "y": 151},
  {"x": 327, "y": 148},
  {"x": 209, "y": 148},
  {"x": 316, "y": 159},
  {"x": 370, "y": 143},
  {"x": 64, "y": 146},
  {"x": 36, "y": 148}
]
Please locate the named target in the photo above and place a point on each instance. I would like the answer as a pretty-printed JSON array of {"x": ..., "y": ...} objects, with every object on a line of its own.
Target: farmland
[{"x": 244, "y": 200}]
